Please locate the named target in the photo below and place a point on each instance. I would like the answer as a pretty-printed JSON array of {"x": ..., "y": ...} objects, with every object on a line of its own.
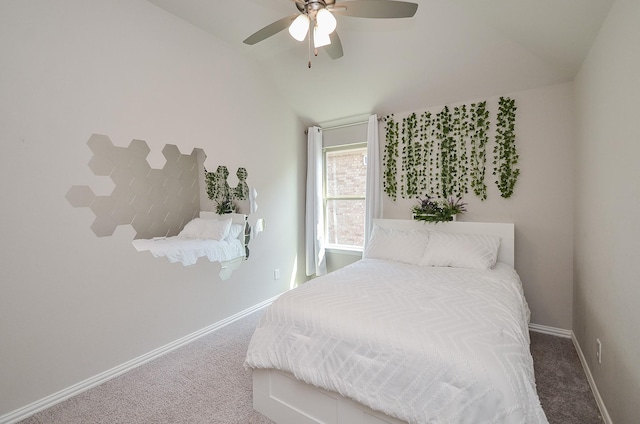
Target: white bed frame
[{"x": 286, "y": 400}]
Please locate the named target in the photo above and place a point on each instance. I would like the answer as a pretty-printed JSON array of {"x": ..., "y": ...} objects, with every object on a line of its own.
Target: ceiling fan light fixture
[
  {"x": 319, "y": 15},
  {"x": 320, "y": 38},
  {"x": 299, "y": 27},
  {"x": 326, "y": 21}
]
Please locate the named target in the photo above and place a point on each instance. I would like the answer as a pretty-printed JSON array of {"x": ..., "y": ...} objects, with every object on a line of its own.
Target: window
[{"x": 345, "y": 177}]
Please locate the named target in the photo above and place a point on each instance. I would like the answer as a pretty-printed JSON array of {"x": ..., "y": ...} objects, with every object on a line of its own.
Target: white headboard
[{"x": 506, "y": 232}]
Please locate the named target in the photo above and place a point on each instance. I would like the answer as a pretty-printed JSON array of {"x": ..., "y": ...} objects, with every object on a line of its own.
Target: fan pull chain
[
  {"x": 315, "y": 49},
  {"x": 309, "y": 38}
]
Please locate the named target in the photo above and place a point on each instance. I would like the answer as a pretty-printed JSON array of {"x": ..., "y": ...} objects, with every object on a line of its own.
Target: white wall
[
  {"x": 73, "y": 305},
  {"x": 542, "y": 204},
  {"x": 607, "y": 266}
]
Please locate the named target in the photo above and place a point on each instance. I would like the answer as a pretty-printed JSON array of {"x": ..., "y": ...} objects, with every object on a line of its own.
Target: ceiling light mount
[
  {"x": 316, "y": 12},
  {"x": 310, "y": 7}
]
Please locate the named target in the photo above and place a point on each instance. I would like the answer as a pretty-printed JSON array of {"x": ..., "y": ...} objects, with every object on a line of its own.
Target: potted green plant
[{"x": 435, "y": 210}]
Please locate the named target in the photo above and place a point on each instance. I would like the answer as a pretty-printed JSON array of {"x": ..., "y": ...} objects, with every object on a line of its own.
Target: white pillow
[
  {"x": 206, "y": 229},
  {"x": 215, "y": 230},
  {"x": 396, "y": 245},
  {"x": 474, "y": 251},
  {"x": 193, "y": 228}
]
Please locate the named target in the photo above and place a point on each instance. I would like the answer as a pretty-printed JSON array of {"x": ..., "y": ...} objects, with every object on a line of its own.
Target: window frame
[{"x": 332, "y": 247}]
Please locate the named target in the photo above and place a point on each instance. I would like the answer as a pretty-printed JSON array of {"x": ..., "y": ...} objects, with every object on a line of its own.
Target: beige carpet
[
  {"x": 205, "y": 382},
  {"x": 563, "y": 389}
]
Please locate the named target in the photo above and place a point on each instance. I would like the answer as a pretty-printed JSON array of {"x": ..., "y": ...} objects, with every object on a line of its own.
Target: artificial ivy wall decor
[
  {"x": 390, "y": 158},
  {"x": 478, "y": 136},
  {"x": 445, "y": 154},
  {"x": 504, "y": 152}
]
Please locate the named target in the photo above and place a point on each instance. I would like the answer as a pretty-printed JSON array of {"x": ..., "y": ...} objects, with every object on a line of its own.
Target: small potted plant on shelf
[{"x": 434, "y": 210}]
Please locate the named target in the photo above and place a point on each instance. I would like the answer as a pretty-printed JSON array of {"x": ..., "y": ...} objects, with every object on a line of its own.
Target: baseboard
[
  {"x": 601, "y": 406},
  {"x": 554, "y": 331},
  {"x": 47, "y": 402}
]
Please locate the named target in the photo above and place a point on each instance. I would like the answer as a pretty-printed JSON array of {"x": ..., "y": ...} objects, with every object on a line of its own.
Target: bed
[
  {"x": 431, "y": 326},
  {"x": 219, "y": 238}
]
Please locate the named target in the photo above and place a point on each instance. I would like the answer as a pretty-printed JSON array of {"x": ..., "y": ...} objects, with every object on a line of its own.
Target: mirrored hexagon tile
[
  {"x": 100, "y": 143},
  {"x": 80, "y": 196},
  {"x": 103, "y": 226},
  {"x": 150, "y": 200}
]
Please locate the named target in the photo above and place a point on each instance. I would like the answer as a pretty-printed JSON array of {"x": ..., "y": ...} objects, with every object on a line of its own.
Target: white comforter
[
  {"x": 424, "y": 345},
  {"x": 188, "y": 250}
]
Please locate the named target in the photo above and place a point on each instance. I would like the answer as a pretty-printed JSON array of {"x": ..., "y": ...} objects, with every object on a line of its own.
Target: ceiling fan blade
[
  {"x": 269, "y": 30},
  {"x": 375, "y": 9},
  {"x": 334, "y": 50}
]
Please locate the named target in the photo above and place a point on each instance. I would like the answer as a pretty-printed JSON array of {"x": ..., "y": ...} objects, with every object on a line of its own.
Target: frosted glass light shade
[
  {"x": 320, "y": 38},
  {"x": 299, "y": 27},
  {"x": 326, "y": 21}
]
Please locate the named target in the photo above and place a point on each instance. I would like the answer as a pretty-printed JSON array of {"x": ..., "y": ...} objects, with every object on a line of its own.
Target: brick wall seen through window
[{"x": 345, "y": 186}]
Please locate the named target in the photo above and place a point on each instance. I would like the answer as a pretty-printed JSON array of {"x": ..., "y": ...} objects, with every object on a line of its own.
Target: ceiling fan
[{"x": 318, "y": 15}]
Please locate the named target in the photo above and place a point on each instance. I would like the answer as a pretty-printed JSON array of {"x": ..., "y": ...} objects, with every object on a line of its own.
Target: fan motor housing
[{"x": 313, "y": 5}]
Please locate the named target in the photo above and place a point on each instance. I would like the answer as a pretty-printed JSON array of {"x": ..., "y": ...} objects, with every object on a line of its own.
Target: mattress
[{"x": 421, "y": 344}]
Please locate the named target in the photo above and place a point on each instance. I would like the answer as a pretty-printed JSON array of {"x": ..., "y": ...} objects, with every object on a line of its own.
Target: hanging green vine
[
  {"x": 410, "y": 157},
  {"x": 426, "y": 141},
  {"x": 390, "y": 158},
  {"x": 448, "y": 154},
  {"x": 434, "y": 163},
  {"x": 478, "y": 130},
  {"x": 417, "y": 159},
  {"x": 505, "y": 156},
  {"x": 460, "y": 133}
]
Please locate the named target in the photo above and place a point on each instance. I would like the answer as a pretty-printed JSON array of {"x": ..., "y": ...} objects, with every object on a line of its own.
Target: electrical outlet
[
  {"x": 599, "y": 351},
  {"x": 276, "y": 273}
]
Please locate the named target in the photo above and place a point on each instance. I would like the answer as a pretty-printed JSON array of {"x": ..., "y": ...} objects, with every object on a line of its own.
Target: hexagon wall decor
[{"x": 155, "y": 202}]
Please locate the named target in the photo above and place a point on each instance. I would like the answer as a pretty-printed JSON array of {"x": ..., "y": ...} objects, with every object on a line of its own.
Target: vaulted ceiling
[{"x": 450, "y": 51}]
